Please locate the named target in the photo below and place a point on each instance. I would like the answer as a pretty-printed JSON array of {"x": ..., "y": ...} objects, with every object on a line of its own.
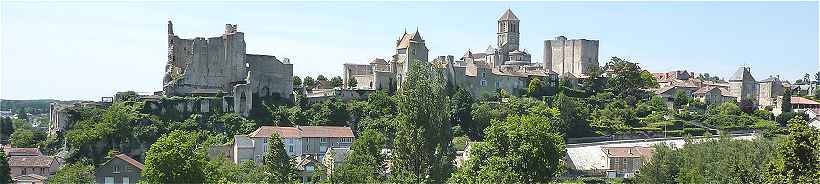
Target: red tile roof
[
  {"x": 801, "y": 100},
  {"x": 303, "y": 131},
  {"x": 130, "y": 160}
]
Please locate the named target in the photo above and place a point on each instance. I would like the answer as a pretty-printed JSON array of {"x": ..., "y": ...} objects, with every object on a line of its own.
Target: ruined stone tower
[{"x": 220, "y": 67}]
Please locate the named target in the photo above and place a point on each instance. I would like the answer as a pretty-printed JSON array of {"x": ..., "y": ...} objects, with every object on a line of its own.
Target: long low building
[
  {"x": 592, "y": 159},
  {"x": 298, "y": 141}
]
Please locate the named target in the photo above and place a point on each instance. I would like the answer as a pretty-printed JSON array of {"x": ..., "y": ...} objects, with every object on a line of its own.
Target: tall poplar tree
[
  {"x": 5, "y": 172},
  {"x": 421, "y": 149},
  {"x": 278, "y": 162}
]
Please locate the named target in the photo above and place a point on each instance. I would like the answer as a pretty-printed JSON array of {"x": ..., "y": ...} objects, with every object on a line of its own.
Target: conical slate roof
[
  {"x": 416, "y": 36},
  {"x": 508, "y": 15}
]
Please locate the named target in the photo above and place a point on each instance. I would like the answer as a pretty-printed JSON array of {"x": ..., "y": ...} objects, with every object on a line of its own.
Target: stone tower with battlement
[{"x": 570, "y": 57}]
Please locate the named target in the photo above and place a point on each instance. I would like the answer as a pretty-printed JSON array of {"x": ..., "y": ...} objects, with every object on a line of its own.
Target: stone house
[
  {"x": 769, "y": 89},
  {"x": 335, "y": 157},
  {"x": 673, "y": 75},
  {"x": 625, "y": 161},
  {"x": 41, "y": 165},
  {"x": 298, "y": 141},
  {"x": 712, "y": 95},
  {"x": 119, "y": 169},
  {"x": 742, "y": 85}
]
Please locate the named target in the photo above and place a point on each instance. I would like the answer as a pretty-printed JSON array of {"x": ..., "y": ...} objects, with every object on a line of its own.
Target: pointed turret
[{"x": 416, "y": 36}]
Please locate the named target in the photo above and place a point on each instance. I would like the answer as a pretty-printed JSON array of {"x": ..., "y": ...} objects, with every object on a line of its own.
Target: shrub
[{"x": 694, "y": 131}]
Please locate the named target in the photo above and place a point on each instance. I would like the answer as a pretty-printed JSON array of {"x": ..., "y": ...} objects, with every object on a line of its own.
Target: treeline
[{"x": 790, "y": 158}]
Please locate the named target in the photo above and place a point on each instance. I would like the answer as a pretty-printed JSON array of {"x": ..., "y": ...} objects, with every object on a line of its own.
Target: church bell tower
[{"x": 508, "y": 32}]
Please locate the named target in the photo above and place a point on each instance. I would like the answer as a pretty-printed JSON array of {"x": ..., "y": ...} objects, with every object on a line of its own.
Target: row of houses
[
  {"x": 30, "y": 166},
  {"x": 765, "y": 94}
]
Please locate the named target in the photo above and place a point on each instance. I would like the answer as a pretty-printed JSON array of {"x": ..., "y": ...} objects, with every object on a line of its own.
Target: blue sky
[{"x": 94, "y": 49}]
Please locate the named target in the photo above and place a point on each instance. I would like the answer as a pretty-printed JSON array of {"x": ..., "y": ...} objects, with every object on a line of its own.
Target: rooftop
[
  {"x": 302, "y": 131},
  {"x": 30, "y": 161},
  {"x": 635, "y": 151},
  {"x": 508, "y": 15},
  {"x": 130, "y": 160},
  {"x": 22, "y": 151},
  {"x": 801, "y": 100}
]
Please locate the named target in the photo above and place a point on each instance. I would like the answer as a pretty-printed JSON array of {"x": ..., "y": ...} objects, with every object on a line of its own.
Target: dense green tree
[
  {"x": 482, "y": 114},
  {"x": 98, "y": 131},
  {"x": 817, "y": 77},
  {"x": 535, "y": 88},
  {"x": 662, "y": 168},
  {"x": 518, "y": 149},
  {"x": 332, "y": 112},
  {"x": 278, "y": 163},
  {"x": 806, "y": 78},
  {"x": 6, "y": 130},
  {"x": 352, "y": 82},
  {"x": 574, "y": 116},
  {"x": 27, "y": 138},
  {"x": 233, "y": 124},
  {"x": 798, "y": 158},
  {"x": 308, "y": 83},
  {"x": 709, "y": 161},
  {"x": 596, "y": 82},
  {"x": 462, "y": 103},
  {"x": 628, "y": 79},
  {"x": 176, "y": 158},
  {"x": 615, "y": 117},
  {"x": 786, "y": 105},
  {"x": 227, "y": 172},
  {"x": 321, "y": 78},
  {"x": 421, "y": 148},
  {"x": 336, "y": 82},
  {"x": 77, "y": 172},
  {"x": 297, "y": 81},
  {"x": 5, "y": 171},
  {"x": 680, "y": 99},
  {"x": 365, "y": 164}
]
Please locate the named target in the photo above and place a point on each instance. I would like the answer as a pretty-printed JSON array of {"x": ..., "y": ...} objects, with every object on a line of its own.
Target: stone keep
[
  {"x": 742, "y": 85},
  {"x": 220, "y": 66},
  {"x": 570, "y": 56}
]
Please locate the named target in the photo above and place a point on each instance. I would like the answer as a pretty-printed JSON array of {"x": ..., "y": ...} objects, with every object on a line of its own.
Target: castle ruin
[{"x": 220, "y": 67}]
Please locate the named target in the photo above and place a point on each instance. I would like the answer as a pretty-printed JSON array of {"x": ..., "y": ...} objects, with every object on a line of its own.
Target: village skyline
[{"x": 699, "y": 37}]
